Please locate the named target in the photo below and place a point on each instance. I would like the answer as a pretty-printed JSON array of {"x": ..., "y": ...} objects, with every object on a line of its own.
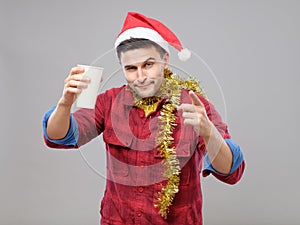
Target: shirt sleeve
[
  {"x": 237, "y": 163},
  {"x": 72, "y": 136}
]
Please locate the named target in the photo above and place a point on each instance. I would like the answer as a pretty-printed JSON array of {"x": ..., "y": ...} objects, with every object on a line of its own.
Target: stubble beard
[{"x": 155, "y": 85}]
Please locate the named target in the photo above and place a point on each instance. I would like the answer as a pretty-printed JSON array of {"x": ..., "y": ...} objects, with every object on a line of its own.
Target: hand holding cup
[
  {"x": 88, "y": 93},
  {"x": 73, "y": 86}
]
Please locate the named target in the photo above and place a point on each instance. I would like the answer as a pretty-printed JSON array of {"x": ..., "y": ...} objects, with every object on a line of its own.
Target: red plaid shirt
[{"x": 134, "y": 168}]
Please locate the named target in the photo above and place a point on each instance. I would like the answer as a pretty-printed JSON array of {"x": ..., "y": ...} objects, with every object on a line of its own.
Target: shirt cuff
[
  {"x": 237, "y": 158},
  {"x": 72, "y": 136}
]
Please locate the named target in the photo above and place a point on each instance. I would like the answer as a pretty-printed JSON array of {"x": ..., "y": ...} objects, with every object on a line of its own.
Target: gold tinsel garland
[
  {"x": 171, "y": 91},
  {"x": 167, "y": 149}
]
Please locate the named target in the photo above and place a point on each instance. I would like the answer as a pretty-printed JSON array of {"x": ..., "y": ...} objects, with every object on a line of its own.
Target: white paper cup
[{"x": 87, "y": 98}]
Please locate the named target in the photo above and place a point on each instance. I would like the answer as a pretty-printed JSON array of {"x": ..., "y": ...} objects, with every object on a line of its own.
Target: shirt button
[
  {"x": 139, "y": 213},
  {"x": 141, "y": 189}
]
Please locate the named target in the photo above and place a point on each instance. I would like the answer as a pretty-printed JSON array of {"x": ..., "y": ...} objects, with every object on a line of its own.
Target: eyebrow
[{"x": 132, "y": 66}]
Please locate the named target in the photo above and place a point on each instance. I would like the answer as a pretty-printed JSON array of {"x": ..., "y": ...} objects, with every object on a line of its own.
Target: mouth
[{"x": 143, "y": 86}]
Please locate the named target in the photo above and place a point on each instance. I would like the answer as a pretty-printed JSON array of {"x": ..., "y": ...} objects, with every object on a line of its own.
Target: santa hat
[{"x": 139, "y": 26}]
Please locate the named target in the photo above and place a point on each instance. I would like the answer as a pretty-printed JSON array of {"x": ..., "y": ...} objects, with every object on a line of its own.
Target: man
[{"x": 158, "y": 129}]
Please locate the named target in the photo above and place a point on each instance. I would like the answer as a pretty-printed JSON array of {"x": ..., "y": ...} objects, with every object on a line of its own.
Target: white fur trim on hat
[{"x": 143, "y": 32}]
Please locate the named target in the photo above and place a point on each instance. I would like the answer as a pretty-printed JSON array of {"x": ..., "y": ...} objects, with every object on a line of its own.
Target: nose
[{"x": 141, "y": 76}]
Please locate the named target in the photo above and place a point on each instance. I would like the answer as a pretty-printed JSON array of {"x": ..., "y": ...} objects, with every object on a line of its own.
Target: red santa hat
[{"x": 137, "y": 25}]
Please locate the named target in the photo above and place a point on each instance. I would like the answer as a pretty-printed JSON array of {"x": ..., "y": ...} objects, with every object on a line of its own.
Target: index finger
[
  {"x": 77, "y": 70},
  {"x": 195, "y": 100}
]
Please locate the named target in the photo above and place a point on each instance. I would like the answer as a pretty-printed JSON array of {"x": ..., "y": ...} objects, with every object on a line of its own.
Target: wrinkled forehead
[{"x": 139, "y": 55}]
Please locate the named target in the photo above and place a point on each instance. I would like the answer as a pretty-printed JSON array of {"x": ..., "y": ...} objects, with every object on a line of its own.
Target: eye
[
  {"x": 149, "y": 64},
  {"x": 130, "y": 68}
]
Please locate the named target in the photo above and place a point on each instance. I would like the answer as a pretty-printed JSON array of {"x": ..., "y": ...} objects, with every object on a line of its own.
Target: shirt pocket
[
  {"x": 117, "y": 156},
  {"x": 118, "y": 137}
]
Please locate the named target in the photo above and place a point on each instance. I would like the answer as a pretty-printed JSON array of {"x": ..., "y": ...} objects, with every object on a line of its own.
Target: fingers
[
  {"x": 186, "y": 108},
  {"x": 196, "y": 103},
  {"x": 80, "y": 82},
  {"x": 76, "y": 78},
  {"x": 191, "y": 122},
  {"x": 72, "y": 90},
  {"x": 195, "y": 100},
  {"x": 188, "y": 115},
  {"x": 76, "y": 73},
  {"x": 74, "y": 84},
  {"x": 194, "y": 114},
  {"x": 76, "y": 70}
]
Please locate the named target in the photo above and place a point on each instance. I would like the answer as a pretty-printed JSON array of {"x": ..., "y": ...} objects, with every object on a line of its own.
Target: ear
[{"x": 166, "y": 60}]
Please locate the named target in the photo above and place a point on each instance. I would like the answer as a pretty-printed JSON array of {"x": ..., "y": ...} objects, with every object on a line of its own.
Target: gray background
[{"x": 251, "y": 46}]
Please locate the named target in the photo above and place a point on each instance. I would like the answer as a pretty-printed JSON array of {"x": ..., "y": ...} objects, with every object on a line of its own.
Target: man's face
[{"x": 144, "y": 70}]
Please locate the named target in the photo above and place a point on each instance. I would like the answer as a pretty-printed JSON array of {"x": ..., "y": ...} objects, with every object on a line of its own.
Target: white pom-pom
[{"x": 184, "y": 54}]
